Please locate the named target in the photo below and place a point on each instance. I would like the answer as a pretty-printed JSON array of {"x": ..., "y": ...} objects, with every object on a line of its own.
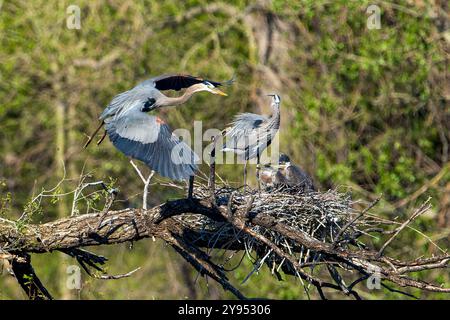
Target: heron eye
[{"x": 209, "y": 85}]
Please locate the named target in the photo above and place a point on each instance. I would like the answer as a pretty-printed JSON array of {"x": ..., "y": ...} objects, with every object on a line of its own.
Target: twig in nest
[
  {"x": 423, "y": 208},
  {"x": 351, "y": 222}
]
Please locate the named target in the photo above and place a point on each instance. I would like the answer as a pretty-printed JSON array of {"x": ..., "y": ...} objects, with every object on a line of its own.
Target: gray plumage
[
  {"x": 279, "y": 178},
  {"x": 250, "y": 134},
  {"x": 297, "y": 177},
  {"x": 266, "y": 175},
  {"x": 293, "y": 175},
  {"x": 148, "y": 138},
  {"x": 286, "y": 174}
]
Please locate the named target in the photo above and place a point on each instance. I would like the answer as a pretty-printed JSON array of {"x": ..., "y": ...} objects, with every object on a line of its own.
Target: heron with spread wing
[
  {"x": 148, "y": 138},
  {"x": 250, "y": 134}
]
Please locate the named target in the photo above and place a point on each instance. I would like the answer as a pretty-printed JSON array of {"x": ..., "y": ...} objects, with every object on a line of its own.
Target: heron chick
[{"x": 286, "y": 173}]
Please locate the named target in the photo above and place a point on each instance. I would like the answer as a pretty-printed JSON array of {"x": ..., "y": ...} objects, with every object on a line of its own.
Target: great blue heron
[
  {"x": 148, "y": 138},
  {"x": 250, "y": 134},
  {"x": 286, "y": 173}
]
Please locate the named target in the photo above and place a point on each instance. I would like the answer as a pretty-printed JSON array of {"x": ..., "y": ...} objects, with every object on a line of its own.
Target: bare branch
[
  {"x": 425, "y": 207},
  {"x": 286, "y": 229}
]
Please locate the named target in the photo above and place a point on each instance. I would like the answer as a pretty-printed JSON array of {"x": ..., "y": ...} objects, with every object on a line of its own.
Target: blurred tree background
[{"x": 365, "y": 110}]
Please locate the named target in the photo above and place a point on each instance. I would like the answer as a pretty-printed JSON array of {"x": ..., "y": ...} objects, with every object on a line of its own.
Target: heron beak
[{"x": 217, "y": 91}]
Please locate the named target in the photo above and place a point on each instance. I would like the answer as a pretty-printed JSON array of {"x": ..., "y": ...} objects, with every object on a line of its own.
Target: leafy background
[{"x": 363, "y": 110}]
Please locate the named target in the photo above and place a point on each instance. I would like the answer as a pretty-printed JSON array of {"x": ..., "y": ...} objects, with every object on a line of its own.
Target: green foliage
[
  {"x": 5, "y": 199},
  {"x": 365, "y": 108}
]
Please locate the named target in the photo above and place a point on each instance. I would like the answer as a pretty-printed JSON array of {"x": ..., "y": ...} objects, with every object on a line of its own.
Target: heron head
[
  {"x": 275, "y": 98},
  {"x": 208, "y": 86},
  {"x": 284, "y": 159}
]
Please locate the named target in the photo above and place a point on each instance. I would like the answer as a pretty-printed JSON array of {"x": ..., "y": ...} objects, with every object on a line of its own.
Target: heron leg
[
  {"x": 93, "y": 135},
  {"x": 212, "y": 170},
  {"x": 257, "y": 172},
  {"x": 245, "y": 175},
  {"x": 191, "y": 187},
  {"x": 102, "y": 138}
]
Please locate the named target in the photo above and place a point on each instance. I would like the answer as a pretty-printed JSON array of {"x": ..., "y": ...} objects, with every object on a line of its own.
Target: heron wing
[
  {"x": 150, "y": 140},
  {"x": 247, "y": 135},
  {"x": 127, "y": 100},
  {"x": 244, "y": 123},
  {"x": 181, "y": 81}
]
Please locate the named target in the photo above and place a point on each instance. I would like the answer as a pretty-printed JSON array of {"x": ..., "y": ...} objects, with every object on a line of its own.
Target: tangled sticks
[
  {"x": 316, "y": 237},
  {"x": 298, "y": 232}
]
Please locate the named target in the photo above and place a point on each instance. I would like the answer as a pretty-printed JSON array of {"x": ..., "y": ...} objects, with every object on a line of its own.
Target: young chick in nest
[{"x": 285, "y": 174}]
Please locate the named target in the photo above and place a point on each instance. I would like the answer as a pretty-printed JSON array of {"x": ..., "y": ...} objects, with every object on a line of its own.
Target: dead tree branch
[{"x": 288, "y": 230}]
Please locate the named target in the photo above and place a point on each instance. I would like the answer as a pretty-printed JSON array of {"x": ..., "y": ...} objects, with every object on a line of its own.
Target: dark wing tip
[
  {"x": 180, "y": 81},
  {"x": 231, "y": 81},
  {"x": 224, "y": 83}
]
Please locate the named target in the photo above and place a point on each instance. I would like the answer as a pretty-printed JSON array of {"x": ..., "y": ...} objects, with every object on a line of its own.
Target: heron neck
[
  {"x": 275, "y": 110},
  {"x": 175, "y": 101}
]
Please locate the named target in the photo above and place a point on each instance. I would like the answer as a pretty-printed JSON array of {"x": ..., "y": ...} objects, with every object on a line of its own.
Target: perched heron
[
  {"x": 250, "y": 134},
  {"x": 285, "y": 173},
  {"x": 148, "y": 138}
]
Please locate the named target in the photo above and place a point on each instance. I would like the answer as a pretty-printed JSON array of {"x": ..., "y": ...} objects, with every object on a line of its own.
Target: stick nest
[{"x": 321, "y": 215}]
